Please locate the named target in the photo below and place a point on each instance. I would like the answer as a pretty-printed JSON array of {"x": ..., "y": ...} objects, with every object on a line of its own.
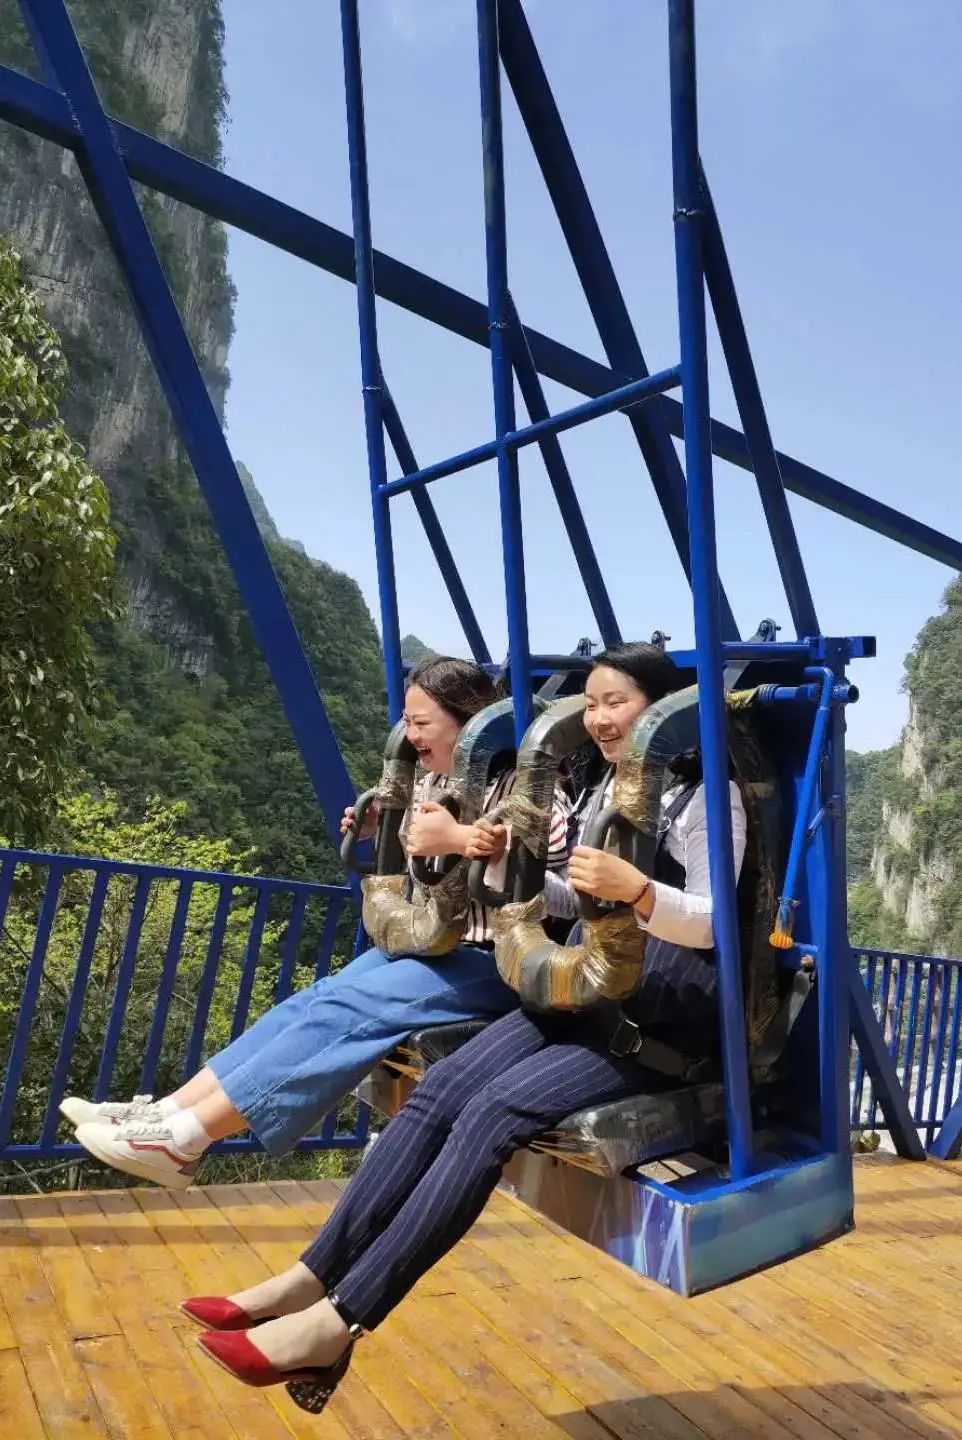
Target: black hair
[
  {"x": 460, "y": 687},
  {"x": 654, "y": 672}
]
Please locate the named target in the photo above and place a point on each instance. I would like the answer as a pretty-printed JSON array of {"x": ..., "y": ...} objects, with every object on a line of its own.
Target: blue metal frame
[
  {"x": 689, "y": 219},
  {"x": 43, "y": 111},
  {"x": 288, "y": 900},
  {"x": 112, "y": 155}
]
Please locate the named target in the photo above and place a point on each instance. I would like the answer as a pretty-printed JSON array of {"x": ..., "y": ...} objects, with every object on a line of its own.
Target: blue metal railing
[
  {"x": 121, "y": 976},
  {"x": 918, "y": 1002}
]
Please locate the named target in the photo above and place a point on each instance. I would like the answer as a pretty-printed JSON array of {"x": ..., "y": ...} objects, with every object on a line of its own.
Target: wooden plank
[
  {"x": 57, "y": 1379},
  {"x": 124, "y": 1399},
  {"x": 19, "y": 1416},
  {"x": 145, "y": 1320},
  {"x": 65, "y": 1266}
]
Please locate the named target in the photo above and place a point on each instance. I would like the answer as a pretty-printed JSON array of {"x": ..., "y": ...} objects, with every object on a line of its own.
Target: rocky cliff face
[
  {"x": 910, "y": 800},
  {"x": 158, "y": 66}
]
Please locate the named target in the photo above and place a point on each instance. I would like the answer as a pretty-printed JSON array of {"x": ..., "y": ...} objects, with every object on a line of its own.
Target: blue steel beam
[
  {"x": 688, "y": 221},
  {"x": 432, "y": 528},
  {"x": 632, "y": 394},
  {"x": 947, "y": 1145},
  {"x": 372, "y": 384},
  {"x": 112, "y": 194},
  {"x": 502, "y": 373},
  {"x": 751, "y": 409},
  {"x": 587, "y": 248},
  {"x": 559, "y": 477},
  {"x": 37, "y": 108}
]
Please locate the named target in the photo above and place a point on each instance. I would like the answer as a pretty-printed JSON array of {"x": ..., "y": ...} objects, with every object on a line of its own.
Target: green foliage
[
  {"x": 871, "y": 926},
  {"x": 869, "y": 779},
  {"x": 56, "y": 562}
]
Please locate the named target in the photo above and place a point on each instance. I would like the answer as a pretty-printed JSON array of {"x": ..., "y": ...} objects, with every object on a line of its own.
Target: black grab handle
[
  {"x": 352, "y": 836},
  {"x": 595, "y": 836}
]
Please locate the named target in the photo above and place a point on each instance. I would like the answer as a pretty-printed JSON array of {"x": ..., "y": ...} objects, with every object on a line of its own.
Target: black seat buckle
[{"x": 625, "y": 1039}]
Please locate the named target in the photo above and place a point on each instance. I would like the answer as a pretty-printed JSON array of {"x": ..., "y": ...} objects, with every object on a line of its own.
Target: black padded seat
[{"x": 608, "y": 1139}]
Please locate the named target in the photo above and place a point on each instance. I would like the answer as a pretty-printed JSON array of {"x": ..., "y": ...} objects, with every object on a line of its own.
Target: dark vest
[{"x": 676, "y": 999}]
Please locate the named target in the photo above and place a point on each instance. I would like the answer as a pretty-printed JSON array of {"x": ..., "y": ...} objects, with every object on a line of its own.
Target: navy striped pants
[{"x": 430, "y": 1174}]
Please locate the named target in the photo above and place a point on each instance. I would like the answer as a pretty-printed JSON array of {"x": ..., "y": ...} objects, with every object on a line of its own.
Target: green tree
[{"x": 56, "y": 562}]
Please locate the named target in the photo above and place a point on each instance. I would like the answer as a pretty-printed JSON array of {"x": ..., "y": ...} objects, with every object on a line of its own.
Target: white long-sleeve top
[{"x": 683, "y": 917}]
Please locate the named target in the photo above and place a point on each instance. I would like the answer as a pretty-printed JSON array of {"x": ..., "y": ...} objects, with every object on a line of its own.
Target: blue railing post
[
  {"x": 499, "y": 321},
  {"x": 371, "y": 379},
  {"x": 689, "y": 219}
]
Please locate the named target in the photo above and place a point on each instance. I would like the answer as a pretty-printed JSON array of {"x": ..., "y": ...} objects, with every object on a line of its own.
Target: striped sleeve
[{"x": 559, "y": 833}]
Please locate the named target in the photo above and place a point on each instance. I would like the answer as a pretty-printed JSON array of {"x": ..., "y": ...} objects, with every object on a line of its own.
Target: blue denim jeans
[{"x": 293, "y": 1065}]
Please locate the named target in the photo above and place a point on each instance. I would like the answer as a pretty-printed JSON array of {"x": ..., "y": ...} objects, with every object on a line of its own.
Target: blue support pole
[
  {"x": 751, "y": 409},
  {"x": 110, "y": 190},
  {"x": 502, "y": 376},
  {"x": 43, "y": 111},
  {"x": 689, "y": 217},
  {"x": 435, "y": 535},
  {"x": 561, "y": 483},
  {"x": 371, "y": 379},
  {"x": 581, "y": 230},
  {"x": 827, "y": 897}
]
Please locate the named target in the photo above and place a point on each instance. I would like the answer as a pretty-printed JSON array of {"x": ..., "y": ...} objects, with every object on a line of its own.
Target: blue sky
[{"x": 830, "y": 135}]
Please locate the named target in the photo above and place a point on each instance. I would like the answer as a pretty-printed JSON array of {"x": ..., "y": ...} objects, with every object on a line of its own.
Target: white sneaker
[
  {"x": 112, "y": 1112},
  {"x": 142, "y": 1147}
]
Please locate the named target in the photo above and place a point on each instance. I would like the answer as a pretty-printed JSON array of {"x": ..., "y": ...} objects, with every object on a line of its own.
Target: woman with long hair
[{"x": 290, "y": 1068}]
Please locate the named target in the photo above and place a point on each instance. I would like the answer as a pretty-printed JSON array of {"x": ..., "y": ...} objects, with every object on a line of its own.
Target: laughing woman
[
  {"x": 292, "y": 1067},
  {"x": 427, "y": 1179}
]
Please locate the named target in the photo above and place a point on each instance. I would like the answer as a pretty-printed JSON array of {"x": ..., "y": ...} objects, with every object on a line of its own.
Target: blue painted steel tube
[
  {"x": 436, "y": 537},
  {"x": 858, "y": 1088},
  {"x": 586, "y": 245},
  {"x": 295, "y": 925},
  {"x": 95, "y": 864},
  {"x": 208, "y": 979},
  {"x": 502, "y": 375},
  {"x": 620, "y": 399},
  {"x": 165, "y": 989},
  {"x": 75, "y": 1006},
  {"x": 947, "y": 973},
  {"x": 885, "y": 990},
  {"x": 252, "y": 955},
  {"x": 371, "y": 380},
  {"x": 689, "y": 216},
  {"x": 933, "y": 977},
  {"x": 163, "y": 330},
  {"x": 28, "y": 1002},
  {"x": 122, "y": 984},
  {"x": 325, "y": 949},
  {"x": 559, "y": 477},
  {"x": 785, "y": 920},
  {"x": 751, "y": 409},
  {"x": 43, "y": 111}
]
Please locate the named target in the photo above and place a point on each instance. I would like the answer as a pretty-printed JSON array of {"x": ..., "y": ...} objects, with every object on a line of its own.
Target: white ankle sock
[
  {"x": 188, "y": 1134},
  {"x": 168, "y": 1106}
]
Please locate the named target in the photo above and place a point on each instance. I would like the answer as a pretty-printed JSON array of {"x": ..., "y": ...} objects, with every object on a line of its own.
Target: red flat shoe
[
  {"x": 214, "y": 1312},
  {"x": 310, "y": 1387}
]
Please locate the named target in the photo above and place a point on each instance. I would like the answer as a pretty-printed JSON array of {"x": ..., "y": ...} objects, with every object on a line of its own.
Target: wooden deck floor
[{"x": 522, "y": 1332}]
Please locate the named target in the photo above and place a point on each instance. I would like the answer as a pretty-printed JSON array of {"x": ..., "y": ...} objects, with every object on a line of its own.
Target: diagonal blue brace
[
  {"x": 437, "y": 539},
  {"x": 947, "y": 1145},
  {"x": 879, "y": 1064},
  {"x": 582, "y": 233},
  {"x": 751, "y": 409},
  {"x": 561, "y": 483},
  {"x": 163, "y": 330}
]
